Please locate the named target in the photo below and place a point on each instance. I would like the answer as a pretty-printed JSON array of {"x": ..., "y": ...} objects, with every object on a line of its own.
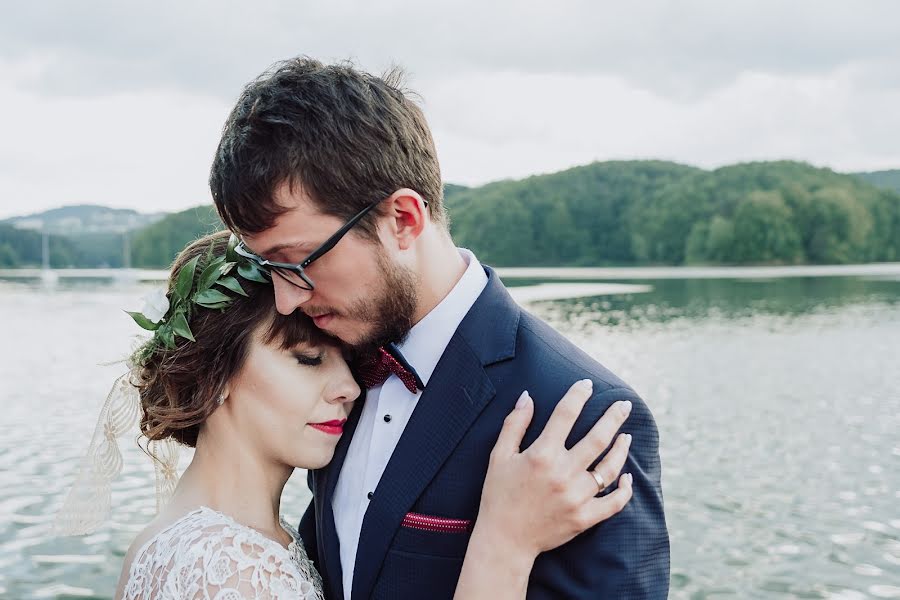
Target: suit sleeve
[
  {"x": 307, "y": 528},
  {"x": 627, "y": 556}
]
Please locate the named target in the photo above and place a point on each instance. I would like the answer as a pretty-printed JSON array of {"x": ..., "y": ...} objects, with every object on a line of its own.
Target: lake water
[{"x": 777, "y": 400}]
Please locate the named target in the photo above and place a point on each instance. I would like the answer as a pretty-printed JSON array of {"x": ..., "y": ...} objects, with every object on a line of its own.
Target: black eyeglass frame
[{"x": 300, "y": 268}]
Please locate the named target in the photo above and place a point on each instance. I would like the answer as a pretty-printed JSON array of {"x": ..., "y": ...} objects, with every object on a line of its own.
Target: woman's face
[{"x": 293, "y": 403}]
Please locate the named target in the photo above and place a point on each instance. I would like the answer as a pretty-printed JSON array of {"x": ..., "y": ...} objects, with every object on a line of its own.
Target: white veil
[{"x": 87, "y": 505}]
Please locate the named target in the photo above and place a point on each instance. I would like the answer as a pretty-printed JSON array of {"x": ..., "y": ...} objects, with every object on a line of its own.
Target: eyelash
[{"x": 309, "y": 361}]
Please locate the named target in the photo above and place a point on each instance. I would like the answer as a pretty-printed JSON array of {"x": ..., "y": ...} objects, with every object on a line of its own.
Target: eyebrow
[{"x": 279, "y": 247}]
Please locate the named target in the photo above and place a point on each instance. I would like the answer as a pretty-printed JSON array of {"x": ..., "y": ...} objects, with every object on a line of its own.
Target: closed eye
[{"x": 309, "y": 360}]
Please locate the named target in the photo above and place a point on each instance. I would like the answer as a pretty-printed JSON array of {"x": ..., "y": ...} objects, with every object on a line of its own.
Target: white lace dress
[{"x": 206, "y": 555}]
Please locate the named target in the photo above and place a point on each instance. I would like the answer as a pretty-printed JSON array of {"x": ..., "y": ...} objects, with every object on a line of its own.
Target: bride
[{"x": 258, "y": 394}]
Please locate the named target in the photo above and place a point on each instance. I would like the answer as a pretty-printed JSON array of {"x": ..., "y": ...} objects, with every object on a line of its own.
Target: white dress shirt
[{"x": 388, "y": 408}]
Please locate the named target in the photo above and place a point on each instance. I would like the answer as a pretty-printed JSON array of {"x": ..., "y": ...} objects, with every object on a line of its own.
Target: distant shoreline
[
  {"x": 696, "y": 272},
  {"x": 569, "y": 273}
]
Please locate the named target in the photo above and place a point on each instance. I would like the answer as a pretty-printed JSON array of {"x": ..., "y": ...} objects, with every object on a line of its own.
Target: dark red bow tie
[{"x": 375, "y": 369}]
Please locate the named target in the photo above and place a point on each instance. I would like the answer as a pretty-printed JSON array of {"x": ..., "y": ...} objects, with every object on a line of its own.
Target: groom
[{"x": 332, "y": 173}]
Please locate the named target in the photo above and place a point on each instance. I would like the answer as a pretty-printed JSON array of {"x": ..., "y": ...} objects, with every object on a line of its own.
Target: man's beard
[{"x": 390, "y": 314}]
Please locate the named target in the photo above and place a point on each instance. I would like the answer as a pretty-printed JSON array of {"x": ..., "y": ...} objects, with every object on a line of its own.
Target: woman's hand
[{"x": 543, "y": 497}]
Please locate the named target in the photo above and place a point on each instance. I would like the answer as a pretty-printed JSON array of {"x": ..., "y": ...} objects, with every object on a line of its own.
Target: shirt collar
[{"x": 427, "y": 340}]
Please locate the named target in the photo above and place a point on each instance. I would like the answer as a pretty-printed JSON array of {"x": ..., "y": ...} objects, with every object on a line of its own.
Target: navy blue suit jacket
[{"x": 439, "y": 465}]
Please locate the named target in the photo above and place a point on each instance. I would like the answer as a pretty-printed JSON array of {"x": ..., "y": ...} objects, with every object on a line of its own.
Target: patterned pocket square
[{"x": 440, "y": 524}]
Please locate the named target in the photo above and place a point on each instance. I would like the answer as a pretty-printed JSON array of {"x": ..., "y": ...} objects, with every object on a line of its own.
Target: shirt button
[
  {"x": 369, "y": 495},
  {"x": 387, "y": 418}
]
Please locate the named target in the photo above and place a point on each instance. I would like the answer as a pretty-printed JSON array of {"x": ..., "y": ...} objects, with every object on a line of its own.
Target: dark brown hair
[
  {"x": 346, "y": 137},
  {"x": 179, "y": 387}
]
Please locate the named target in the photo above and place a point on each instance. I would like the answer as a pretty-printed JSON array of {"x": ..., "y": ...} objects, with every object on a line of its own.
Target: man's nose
[{"x": 288, "y": 297}]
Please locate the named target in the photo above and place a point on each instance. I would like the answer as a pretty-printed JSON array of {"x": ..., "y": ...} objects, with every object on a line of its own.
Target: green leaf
[
  {"x": 252, "y": 272},
  {"x": 227, "y": 267},
  {"x": 210, "y": 274},
  {"x": 216, "y": 304},
  {"x": 143, "y": 321},
  {"x": 211, "y": 297},
  {"x": 230, "y": 254},
  {"x": 180, "y": 327},
  {"x": 167, "y": 336},
  {"x": 186, "y": 278},
  {"x": 232, "y": 284}
]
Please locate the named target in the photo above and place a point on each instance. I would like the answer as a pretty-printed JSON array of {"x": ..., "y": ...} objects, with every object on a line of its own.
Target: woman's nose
[
  {"x": 345, "y": 387},
  {"x": 348, "y": 390}
]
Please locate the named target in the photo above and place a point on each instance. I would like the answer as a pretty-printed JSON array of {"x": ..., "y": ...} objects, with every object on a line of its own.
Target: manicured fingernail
[
  {"x": 586, "y": 384},
  {"x": 628, "y": 478},
  {"x": 627, "y": 438},
  {"x": 523, "y": 400},
  {"x": 625, "y": 407}
]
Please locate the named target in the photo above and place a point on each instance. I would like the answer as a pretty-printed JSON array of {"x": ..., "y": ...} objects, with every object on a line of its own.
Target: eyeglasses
[{"x": 295, "y": 273}]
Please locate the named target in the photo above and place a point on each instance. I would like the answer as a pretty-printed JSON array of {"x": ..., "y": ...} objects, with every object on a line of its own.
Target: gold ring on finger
[{"x": 599, "y": 479}]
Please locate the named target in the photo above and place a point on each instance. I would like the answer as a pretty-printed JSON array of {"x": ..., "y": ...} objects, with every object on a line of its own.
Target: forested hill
[
  {"x": 581, "y": 216},
  {"x": 664, "y": 213},
  {"x": 636, "y": 212},
  {"x": 81, "y": 219},
  {"x": 889, "y": 180},
  {"x": 157, "y": 245}
]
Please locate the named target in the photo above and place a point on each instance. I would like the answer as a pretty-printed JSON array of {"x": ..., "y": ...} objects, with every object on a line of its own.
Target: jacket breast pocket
[
  {"x": 425, "y": 559},
  {"x": 433, "y": 536}
]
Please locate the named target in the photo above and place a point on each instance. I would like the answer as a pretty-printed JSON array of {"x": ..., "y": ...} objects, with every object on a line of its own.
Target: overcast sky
[{"x": 121, "y": 103}]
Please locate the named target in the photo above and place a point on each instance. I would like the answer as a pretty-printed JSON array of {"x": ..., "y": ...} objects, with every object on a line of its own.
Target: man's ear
[{"x": 407, "y": 216}]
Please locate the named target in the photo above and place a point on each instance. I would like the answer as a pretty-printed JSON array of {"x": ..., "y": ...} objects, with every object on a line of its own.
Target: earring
[{"x": 221, "y": 399}]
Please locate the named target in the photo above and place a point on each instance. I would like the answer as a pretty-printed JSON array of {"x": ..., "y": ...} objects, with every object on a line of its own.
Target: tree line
[
  {"x": 646, "y": 212},
  {"x": 609, "y": 213}
]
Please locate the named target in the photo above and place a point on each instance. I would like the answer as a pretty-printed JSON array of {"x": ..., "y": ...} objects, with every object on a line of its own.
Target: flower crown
[{"x": 167, "y": 315}]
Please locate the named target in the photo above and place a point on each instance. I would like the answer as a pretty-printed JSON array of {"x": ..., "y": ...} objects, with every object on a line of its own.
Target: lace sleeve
[{"x": 216, "y": 562}]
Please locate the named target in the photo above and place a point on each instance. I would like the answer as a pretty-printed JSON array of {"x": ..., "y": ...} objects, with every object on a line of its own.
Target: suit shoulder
[{"x": 546, "y": 352}]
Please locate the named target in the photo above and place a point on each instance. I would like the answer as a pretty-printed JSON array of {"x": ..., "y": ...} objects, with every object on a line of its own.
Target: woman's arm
[{"x": 541, "y": 498}]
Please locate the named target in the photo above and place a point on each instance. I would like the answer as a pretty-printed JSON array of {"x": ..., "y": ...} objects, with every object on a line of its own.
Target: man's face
[{"x": 361, "y": 295}]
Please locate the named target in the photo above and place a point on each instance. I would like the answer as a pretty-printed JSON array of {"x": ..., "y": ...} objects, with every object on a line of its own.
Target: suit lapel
[
  {"x": 457, "y": 392},
  {"x": 442, "y": 417}
]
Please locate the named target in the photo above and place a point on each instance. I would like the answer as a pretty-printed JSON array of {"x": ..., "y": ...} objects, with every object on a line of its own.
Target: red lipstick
[{"x": 330, "y": 427}]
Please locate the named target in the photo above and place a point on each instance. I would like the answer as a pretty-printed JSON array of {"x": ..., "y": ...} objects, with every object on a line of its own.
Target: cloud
[
  {"x": 122, "y": 103},
  {"x": 519, "y": 125},
  {"x": 686, "y": 48},
  {"x": 149, "y": 151}
]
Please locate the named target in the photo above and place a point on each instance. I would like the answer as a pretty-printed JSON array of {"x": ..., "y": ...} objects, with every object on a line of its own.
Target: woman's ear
[{"x": 223, "y": 395}]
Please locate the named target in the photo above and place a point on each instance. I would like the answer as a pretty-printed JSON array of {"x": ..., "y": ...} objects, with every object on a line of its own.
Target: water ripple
[{"x": 777, "y": 403}]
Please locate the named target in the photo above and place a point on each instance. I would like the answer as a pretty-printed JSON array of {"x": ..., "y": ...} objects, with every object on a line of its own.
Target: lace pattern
[
  {"x": 86, "y": 507},
  {"x": 206, "y": 555}
]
